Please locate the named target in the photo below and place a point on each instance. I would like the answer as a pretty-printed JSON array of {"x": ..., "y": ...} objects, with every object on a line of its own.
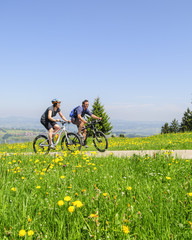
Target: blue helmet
[{"x": 56, "y": 100}]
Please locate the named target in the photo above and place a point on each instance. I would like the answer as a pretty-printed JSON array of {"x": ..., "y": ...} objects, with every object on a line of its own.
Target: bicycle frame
[{"x": 61, "y": 130}]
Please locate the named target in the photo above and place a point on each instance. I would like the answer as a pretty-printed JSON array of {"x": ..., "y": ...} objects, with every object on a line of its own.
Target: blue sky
[{"x": 135, "y": 55}]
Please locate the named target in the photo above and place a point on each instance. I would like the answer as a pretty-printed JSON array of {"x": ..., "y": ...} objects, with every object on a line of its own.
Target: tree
[
  {"x": 165, "y": 128},
  {"x": 174, "y": 127},
  {"x": 186, "y": 123},
  {"x": 98, "y": 110}
]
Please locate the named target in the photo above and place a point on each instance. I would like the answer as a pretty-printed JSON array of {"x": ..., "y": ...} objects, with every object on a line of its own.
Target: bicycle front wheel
[
  {"x": 100, "y": 141},
  {"x": 41, "y": 144},
  {"x": 72, "y": 141}
]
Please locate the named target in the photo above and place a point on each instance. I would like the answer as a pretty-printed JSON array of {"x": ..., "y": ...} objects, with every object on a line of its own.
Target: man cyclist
[
  {"x": 49, "y": 122},
  {"x": 77, "y": 115}
]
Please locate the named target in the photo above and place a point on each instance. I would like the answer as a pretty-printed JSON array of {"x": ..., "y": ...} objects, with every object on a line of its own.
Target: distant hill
[{"x": 136, "y": 128}]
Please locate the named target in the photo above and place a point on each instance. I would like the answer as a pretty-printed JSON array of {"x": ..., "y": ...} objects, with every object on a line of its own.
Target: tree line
[{"x": 175, "y": 126}]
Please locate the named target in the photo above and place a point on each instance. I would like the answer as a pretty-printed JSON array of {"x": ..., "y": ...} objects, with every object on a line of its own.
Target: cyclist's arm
[
  {"x": 80, "y": 118},
  {"x": 95, "y": 117},
  {"x": 61, "y": 115},
  {"x": 49, "y": 116}
]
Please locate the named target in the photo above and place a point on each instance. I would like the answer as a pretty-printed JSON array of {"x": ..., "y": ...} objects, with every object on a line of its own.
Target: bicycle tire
[
  {"x": 75, "y": 142},
  {"x": 100, "y": 141},
  {"x": 36, "y": 144}
]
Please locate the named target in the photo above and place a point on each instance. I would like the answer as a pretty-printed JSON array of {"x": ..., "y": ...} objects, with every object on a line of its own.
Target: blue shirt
[{"x": 82, "y": 112}]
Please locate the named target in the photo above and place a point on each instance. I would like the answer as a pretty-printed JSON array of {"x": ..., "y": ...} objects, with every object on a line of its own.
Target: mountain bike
[
  {"x": 71, "y": 140},
  {"x": 99, "y": 139}
]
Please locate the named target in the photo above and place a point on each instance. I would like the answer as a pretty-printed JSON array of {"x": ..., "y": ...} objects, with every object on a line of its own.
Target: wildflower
[
  {"x": 22, "y": 233},
  {"x": 105, "y": 194},
  {"x": 78, "y": 204},
  {"x": 125, "y": 229},
  {"x": 129, "y": 188},
  {"x": 13, "y": 189},
  {"x": 38, "y": 187},
  {"x": 128, "y": 205},
  {"x": 62, "y": 177},
  {"x": 29, "y": 220},
  {"x": 168, "y": 178},
  {"x": 190, "y": 194},
  {"x": 71, "y": 209},
  {"x": 30, "y": 233},
  {"x": 67, "y": 198},
  {"x": 92, "y": 215},
  {"x": 84, "y": 190},
  {"x": 76, "y": 194},
  {"x": 60, "y": 203}
]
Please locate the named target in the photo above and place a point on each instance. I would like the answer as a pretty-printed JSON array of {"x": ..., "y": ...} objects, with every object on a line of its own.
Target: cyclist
[
  {"x": 49, "y": 122},
  {"x": 77, "y": 115}
]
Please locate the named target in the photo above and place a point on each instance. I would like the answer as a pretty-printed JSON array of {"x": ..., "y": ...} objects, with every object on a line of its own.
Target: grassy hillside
[{"x": 156, "y": 142}]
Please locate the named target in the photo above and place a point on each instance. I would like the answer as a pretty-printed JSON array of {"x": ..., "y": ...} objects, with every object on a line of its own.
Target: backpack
[{"x": 73, "y": 113}]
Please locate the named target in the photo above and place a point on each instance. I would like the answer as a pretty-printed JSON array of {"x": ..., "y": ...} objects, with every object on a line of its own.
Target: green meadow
[{"x": 75, "y": 196}]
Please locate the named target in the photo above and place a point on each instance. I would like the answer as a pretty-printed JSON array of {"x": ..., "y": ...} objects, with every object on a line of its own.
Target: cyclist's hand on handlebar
[
  {"x": 57, "y": 120},
  {"x": 99, "y": 118},
  {"x": 68, "y": 121}
]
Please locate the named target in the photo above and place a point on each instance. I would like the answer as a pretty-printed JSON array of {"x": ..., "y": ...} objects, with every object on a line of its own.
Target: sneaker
[
  {"x": 80, "y": 135},
  {"x": 85, "y": 146},
  {"x": 52, "y": 146}
]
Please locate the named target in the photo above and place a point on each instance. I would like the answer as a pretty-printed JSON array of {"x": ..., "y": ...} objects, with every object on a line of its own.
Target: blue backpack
[{"x": 73, "y": 113}]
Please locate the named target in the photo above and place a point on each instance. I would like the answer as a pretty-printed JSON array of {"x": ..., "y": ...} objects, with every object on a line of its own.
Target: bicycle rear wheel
[
  {"x": 72, "y": 141},
  {"x": 41, "y": 144},
  {"x": 100, "y": 141}
]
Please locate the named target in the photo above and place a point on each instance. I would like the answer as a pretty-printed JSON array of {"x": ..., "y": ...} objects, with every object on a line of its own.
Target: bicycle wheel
[
  {"x": 72, "y": 142},
  {"x": 100, "y": 141},
  {"x": 41, "y": 144}
]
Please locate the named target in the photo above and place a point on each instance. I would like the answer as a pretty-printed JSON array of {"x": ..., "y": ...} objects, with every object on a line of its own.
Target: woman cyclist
[{"x": 49, "y": 122}]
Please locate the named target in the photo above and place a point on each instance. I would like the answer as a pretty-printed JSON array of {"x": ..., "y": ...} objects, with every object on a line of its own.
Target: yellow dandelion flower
[
  {"x": 30, "y": 233},
  {"x": 67, "y": 198},
  {"x": 125, "y": 229},
  {"x": 38, "y": 187},
  {"x": 60, "y": 203},
  {"x": 105, "y": 194},
  {"x": 13, "y": 189},
  {"x": 62, "y": 177},
  {"x": 190, "y": 194},
  {"x": 129, "y": 188},
  {"x": 22, "y": 233},
  {"x": 29, "y": 220},
  {"x": 168, "y": 178},
  {"x": 71, "y": 209},
  {"x": 78, "y": 204}
]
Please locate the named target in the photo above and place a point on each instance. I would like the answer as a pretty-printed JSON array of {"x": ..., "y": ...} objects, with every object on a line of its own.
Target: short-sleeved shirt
[
  {"x": 82, "y": 112},
  {"x": 44, "y": 117}
]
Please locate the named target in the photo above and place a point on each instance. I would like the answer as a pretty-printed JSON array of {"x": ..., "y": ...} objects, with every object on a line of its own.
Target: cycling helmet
[{"x": 56, "y": 100}]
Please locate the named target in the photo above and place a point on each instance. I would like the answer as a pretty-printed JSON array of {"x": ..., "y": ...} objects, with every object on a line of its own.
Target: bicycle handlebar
[
  {"x": 63, "y": 122},
  {"x": 93, "y": 122}
]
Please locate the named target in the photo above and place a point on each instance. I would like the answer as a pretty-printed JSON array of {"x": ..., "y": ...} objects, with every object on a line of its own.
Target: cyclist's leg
[
  {"x": 56, "y": 127},
  {"x": 79, "y": 124},
  {"x": 84, "y": 132},
  {"x": 51, "y": 127}
]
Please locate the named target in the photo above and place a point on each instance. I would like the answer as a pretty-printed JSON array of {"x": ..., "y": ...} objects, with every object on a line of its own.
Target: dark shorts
[
  {"x": 48, "y": 124},
  {"x": 77, "y": 122}
]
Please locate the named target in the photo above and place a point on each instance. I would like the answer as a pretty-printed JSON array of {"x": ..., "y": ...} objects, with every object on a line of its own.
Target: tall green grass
[{"x": 123, "y": 198}]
